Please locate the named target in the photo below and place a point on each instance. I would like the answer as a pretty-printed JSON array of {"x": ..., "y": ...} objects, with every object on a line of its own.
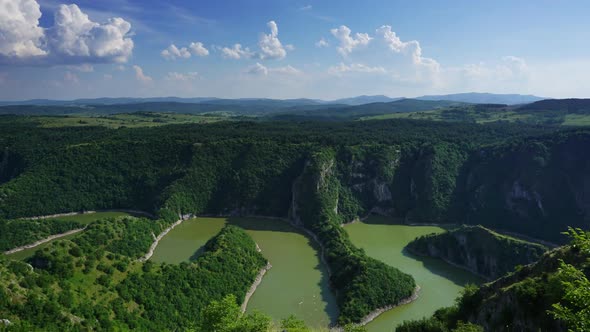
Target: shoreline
[
  {"x": 377, "y": 312},
  {"x": 160, "y": 236},
  {"x": 42, "y": 241},
  {"x": 255, "y": 285},
  {"x": 465, "y": 268}
]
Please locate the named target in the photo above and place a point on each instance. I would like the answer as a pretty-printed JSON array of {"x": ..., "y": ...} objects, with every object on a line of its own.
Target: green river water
[
  {"x": 440, "y": 282},
  {"x": 297, "y": 283}
]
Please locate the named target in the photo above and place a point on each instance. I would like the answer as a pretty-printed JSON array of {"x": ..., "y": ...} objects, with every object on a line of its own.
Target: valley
[
  {"x": 439, "y": 282},
  {"x": 319, "y": 175}
]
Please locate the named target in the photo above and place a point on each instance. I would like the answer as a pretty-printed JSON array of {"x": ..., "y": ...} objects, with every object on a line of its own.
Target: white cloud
[
  {"x": 307, "y": 7},
  {"x": 140, "y": 76},
  {"x": 236, "y": 52},
  {"x": 270, "y": 45},
  {"x": 347, "y": 42},
  {"x": 174, "y": 76},
  {"x": 286, "y": 70},
  {"x": 20, "y": 33},
  {"x": 259, "y": 69},
  {"x": 321, "y": 43},
  {"x": 173, "y": 53},
  {"x": 72, "y": 39},
  {"x": 412, "y": 47},
  {"x": 355, "y": 68},
  {"x": 510, "y": 68},
  {"x": 198, "y": 49},
  {"x": 75, "y": 36}
]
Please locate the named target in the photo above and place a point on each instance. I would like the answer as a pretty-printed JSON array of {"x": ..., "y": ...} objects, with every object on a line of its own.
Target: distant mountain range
[
  {"x": 485, "y": 98},
  {"x": 476, "y": 98}
]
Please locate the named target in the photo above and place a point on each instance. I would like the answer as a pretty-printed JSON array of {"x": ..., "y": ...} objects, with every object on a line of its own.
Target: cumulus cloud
[
  {"x": 173, "y": 53},
  {"x": 72, "y": 39},
  {"x": 347, "y": 42},
  {"x": 286, "y": 70},
  {"x": 76, "y": 37},
  {"x": 140, "y": 76},
  {"x": 20, "y": 33},
  {"x": 236, "y": 52},
  {"x": 257, "y": 69},
  {"x": 174, "y": 76},
  {"x": 321, "y": 43},
  {"x": 270, "y": 45},
  {"x": 198, "y": 49},
  {"x": 261, "y": 70},
  {"x": 412, "y": 47},
  {"x": 355, "y": 68}
]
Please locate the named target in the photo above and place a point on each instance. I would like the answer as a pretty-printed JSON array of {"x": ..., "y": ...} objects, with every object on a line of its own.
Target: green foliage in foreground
[
  {"x": 550, "y": 295},
  {"x": 93, "y": 283}
]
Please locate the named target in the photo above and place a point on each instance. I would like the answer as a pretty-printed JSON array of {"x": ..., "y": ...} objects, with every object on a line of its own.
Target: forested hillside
[
  {"x": 94, "y": 282},
  {"x": 550, "y": 295},
  {"x": 479, "y": 250},
  {"x": 526, "y": 179}
]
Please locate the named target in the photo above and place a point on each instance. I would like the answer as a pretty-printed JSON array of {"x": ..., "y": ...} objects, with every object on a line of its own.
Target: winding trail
[
  {"x": 150, "y": 252},
  {"x": 69, "y": 214},
  {"x": 45, "y": 240},
  {"x": 70, "y": 232}
]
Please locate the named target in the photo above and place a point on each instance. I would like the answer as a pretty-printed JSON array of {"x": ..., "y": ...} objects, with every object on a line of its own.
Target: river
[
  {"x": 296, "y": 284},
  {"x": 440, "y": 282}
]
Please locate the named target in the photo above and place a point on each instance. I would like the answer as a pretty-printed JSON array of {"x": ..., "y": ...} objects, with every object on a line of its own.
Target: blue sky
[{"x": 291, "y": 49}]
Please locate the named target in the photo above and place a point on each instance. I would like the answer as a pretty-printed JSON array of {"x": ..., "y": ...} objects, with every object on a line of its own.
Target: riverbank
[
  {"x": 375, "y": 313},
  {"x": 45, "y": 240},
  {"x": 462, "y": 267},
  {"x": 150, "y": 252},
  {"x": 255, "y": 284}
]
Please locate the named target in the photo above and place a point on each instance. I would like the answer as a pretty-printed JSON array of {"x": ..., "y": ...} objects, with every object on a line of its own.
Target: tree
[
  {"x": 293, "y": 324},
  {"x": 221, "y": 316},
  {"x": 574, "y": 307}
]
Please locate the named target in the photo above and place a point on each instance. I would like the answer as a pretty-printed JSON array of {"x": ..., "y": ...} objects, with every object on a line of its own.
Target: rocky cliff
[{"x": 478, "y": 250}]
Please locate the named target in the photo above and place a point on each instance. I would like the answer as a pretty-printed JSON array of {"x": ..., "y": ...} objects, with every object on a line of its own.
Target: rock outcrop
[{"x": 479, "y": 250}]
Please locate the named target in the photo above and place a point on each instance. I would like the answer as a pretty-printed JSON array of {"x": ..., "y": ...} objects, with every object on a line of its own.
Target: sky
[{"x": 292, "y": 49}]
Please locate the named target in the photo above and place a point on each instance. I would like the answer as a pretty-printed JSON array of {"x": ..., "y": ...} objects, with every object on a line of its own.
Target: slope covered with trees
[
  {"x": 550, "y": 295},
  {"x": 95, "y": 283},
  {"x": 479, "y": 250},
  {"x": 517, "y": 178}
]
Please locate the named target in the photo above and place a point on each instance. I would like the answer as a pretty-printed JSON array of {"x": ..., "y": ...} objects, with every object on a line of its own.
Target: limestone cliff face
[
  {"x": 536, "y": 188},
  {"x": 479, "y": 250}
]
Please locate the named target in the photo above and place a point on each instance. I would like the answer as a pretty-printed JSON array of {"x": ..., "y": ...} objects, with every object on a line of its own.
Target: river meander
[
  {"x": 440, "y": 282},
  {"x": 297, "y": 283}
]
